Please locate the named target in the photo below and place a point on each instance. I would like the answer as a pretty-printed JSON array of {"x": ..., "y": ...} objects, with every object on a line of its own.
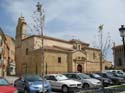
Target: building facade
[
  {"x": 11, "y": 55},
  {"x": 119, "y": 58},
  {"x": 5, "y": 56},
  {"x": 54, "y": 56}
]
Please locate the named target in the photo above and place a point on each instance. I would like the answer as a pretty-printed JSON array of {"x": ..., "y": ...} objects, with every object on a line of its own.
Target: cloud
[
  {"x": 78, "y": 15},
  {"x": 67, "y": 18}
]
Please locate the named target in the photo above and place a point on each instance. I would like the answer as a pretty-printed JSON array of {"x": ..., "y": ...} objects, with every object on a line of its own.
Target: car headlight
[{"x": 15, "y": 91}]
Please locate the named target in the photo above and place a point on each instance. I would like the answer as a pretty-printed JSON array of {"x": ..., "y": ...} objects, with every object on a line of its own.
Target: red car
[{"x": 6, "y": 87}]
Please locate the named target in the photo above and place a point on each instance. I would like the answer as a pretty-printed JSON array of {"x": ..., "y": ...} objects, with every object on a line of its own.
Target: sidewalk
[{"x": 11, "y": 79}]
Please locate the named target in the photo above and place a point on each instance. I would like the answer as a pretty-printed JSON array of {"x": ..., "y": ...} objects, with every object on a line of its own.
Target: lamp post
[
  {"x": 41, "y": 19},
  {"x": 122, "y": 34},
  {"x": 101, "y": 47}
]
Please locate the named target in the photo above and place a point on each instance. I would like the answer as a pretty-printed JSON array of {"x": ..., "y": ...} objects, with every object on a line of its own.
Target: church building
[{"x": 43, "y": 54}]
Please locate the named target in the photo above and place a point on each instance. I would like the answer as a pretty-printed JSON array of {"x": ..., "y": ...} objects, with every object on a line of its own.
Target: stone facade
[
  {"x": 108, "y": 65},
  {"x": 7, "y": 54},
  {"x": 119, "y": 59},
  {"x": 11, "y": 55},
  {"x": 54, "y": 56}
]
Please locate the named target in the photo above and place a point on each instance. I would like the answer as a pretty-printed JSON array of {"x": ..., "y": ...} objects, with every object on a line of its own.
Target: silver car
[{"x": 86, "y": 80}]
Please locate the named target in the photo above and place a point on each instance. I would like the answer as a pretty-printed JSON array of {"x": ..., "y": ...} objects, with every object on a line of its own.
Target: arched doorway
[{"x": 79, "y": 68}]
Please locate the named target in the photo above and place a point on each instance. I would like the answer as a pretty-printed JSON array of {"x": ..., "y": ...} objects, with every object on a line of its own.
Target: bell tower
[{"x": 20, "y": 31}]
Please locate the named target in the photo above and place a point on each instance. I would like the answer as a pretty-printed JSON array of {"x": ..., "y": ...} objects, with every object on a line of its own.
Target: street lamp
[
  {"x": 122, "y": 34},
  {"x": 41, "y": 19},
  {"x": 41, "y": 16}
]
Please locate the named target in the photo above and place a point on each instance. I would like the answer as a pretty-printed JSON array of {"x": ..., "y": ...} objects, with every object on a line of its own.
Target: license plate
[
  {"x": 79, "y": 87},
  {"x": 42, "y": 90}
]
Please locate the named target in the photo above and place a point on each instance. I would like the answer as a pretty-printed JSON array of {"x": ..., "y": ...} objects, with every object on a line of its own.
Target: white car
[
  {"x": 86, "y": 80},
  {"x": 61, "y": 82}
]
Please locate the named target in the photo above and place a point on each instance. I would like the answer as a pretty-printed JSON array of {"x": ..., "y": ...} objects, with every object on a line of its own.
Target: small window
[
  {"x": 68, "y": 75},
  {"x": 94, "y": 55},
  {"x": 74, "y": 76},
  {"x": 78, "y": 47},
  {"x": 119, "y": 62},
  {"x": 52, "y": 78},
  {"x": 104, "y": 75},
  {"x": 0, "y": 56},
  {"x": 27, "y": 51},
  {"x": 59, "y": 59}
]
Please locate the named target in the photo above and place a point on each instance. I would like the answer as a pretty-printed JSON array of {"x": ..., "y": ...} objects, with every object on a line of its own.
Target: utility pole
[
  {"x": 40, "y": 10},
  {"x": 101, "y": 46}
]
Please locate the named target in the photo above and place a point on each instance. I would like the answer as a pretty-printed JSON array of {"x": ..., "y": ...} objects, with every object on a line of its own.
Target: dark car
[
  {"x": 32, "y": 84},
  {"x": 105, "y": 81},
  {"x": 6, "y": 87},
  {"x": 115, "y": 80}
]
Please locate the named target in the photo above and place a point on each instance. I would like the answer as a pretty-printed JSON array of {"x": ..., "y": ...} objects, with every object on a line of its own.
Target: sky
[{"x": 68, "y": 19}]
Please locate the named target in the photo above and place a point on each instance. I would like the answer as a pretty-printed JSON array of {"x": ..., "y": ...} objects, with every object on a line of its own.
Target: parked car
[
  {"x": 86, "y": 80},
  {"x": 31, "y": 83},
  {"x": 105, "y": 81},
  {"x": 117, "y": 71},
  {"x": 110, "y": 75},
  {"x": 118, "y": 74},
  {"x": 6, "y": 87},
  {"x": 61, "y": 82}
]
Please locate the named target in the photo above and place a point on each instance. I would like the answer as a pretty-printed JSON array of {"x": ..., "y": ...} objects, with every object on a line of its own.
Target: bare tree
[
  {"x": 36, "y": 28},
  {"x": 102, "y": 42}
]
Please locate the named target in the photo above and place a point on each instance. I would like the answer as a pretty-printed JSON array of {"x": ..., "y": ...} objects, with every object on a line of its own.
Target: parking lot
[{"x": 11, "y": 79}]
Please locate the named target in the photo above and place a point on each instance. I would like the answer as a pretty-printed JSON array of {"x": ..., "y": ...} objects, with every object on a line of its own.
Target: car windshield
[
  {"x": 4, "y": 82},
  {"x": 118, "y": 74},
  {"x": 110, "y": 74},
  {"x": 84, "y": 76},
  {"x": 61, "y": 77},
  {"x": 96, "y": 75},
  {"x": 33, "y": 78}
]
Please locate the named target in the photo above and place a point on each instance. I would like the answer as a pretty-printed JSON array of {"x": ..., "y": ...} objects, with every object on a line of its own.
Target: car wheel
[
  {"x": 85, "y": 85},
  {"x": 65, "y": 89}
]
